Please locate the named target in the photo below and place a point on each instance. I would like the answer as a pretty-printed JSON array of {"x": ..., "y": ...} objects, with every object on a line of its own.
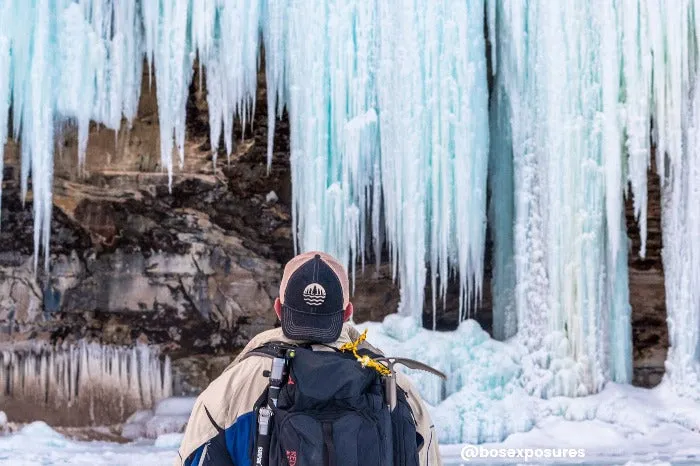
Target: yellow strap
[{"x": 366, "y": 361}]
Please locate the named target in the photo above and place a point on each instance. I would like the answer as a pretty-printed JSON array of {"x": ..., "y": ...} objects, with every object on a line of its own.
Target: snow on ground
[
  {"x": 38, "y": 444},
  {"x": 497, "y": 396}
]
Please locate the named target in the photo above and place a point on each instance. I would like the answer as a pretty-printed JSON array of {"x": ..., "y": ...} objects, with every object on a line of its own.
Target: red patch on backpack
[
  {"x": 292, "y": 457},
  {"x": 290, "y": 380}
]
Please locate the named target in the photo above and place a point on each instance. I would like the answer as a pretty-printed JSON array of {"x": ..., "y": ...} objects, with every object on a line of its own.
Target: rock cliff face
[
  {"x": 195, "y": 270},
  {"x": 647, "y": 293}
]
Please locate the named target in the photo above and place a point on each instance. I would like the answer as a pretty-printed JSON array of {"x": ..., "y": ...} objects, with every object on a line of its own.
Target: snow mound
[
  {"x": 169, "y": 416},
  {"x": 37, "y": 443},
  {"x": 169, "y": 441},
  {"x": 498, "y": 390},
  {"x": 175, "y": 406}
]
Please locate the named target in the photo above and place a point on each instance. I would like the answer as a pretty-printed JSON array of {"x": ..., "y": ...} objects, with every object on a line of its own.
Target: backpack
[{"x": 332, "y": 412}]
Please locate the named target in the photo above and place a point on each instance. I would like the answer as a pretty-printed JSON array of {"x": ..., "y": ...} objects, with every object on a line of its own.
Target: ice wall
[
  {"x": 95, "y": 383},
  {"x": 390, "y": 132},
  {"x": 557, "y": 82},
  {"x": 577, "y": 86},
  {"x": 677, "y": 109}
]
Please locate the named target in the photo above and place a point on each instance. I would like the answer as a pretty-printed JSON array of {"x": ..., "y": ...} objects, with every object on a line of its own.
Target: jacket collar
[{"x": 347, "y": 334}]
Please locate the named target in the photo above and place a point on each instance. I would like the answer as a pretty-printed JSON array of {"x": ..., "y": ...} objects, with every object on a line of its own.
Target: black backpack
[{"x": 332, "y": 412}]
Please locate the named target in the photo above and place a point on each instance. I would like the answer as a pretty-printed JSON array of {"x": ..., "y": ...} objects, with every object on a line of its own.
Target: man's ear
[
  {"x": 278, "y": 308},
  {"x": 348, "y": 312}
]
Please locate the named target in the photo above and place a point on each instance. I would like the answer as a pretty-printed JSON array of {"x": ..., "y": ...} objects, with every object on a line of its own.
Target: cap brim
[{"x": 298, "y": 325}]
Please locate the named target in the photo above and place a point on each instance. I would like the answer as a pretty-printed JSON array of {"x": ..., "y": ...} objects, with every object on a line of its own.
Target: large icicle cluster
[
  {"x": 99, "y": 383},
  {"x": 62, "y": 60},
  {"x": 387, "y": 105},
  {"x": 388, "y": 115},
  {"x": 578, "y": 84}
]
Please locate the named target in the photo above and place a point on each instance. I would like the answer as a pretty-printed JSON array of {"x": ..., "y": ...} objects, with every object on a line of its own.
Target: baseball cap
[{"x": 314, "y": 294}]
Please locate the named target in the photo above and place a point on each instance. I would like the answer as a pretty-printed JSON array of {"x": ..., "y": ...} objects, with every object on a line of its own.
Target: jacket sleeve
[
  {"x": 429, "y": 454},
  {"x": 220, "y": 431}
]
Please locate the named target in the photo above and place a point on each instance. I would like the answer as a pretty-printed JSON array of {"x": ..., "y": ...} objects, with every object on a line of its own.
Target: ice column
[
  {"x": 676, "y": 95},
  {"x": 558, "y": 82},
  {"x": 168, "y": 45}
]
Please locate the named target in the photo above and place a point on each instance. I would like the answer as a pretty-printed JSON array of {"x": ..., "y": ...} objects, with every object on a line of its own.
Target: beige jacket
[{"x": 234, "y": 392}]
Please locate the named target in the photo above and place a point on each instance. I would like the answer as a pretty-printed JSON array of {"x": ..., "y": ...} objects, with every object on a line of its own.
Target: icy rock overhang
[{"x": 82, "y": 383}]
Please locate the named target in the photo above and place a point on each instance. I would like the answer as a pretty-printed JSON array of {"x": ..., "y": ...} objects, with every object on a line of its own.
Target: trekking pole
[
  {"x": 262, "y": 442},
  {"x": 278, "y": 377}
]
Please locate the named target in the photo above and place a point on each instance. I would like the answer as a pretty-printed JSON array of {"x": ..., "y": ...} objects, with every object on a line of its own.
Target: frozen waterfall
[
  {"x": 393, "y": 144},
  {"x": 578, "y": 86},
  {"x": 557, "y": 83}
]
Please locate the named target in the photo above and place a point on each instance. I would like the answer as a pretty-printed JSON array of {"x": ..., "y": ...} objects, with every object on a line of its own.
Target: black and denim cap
[{"x": 313, "y": 303}]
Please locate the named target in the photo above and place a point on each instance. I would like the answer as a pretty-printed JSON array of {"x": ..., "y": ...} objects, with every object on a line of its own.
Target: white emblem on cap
[{"x": 314, "y": 294}]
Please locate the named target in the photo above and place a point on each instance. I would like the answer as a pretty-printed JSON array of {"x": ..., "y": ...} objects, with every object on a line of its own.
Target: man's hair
[{"x": 333, "y": 263}]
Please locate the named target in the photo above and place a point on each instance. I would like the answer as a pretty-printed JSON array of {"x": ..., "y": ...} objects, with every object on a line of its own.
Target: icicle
[
  {"x": 4, "y": 103},
  {"x": 100, "y": 383},
  {"x": 167, "y": 379},
  {"x": 167, "y": 42},
  {"x": 146, "y": 383},
  {"x": 637, "y": 83},
  {"x": 274, "y": 23}
]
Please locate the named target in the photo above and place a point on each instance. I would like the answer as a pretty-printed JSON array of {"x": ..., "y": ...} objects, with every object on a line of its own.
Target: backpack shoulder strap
[{"x": 270, "y": 349}]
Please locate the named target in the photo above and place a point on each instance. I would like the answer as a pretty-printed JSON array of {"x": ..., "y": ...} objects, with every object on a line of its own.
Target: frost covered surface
[
  {"x": 498, "y": 390},
  {"x": 100, "y": 383}
]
